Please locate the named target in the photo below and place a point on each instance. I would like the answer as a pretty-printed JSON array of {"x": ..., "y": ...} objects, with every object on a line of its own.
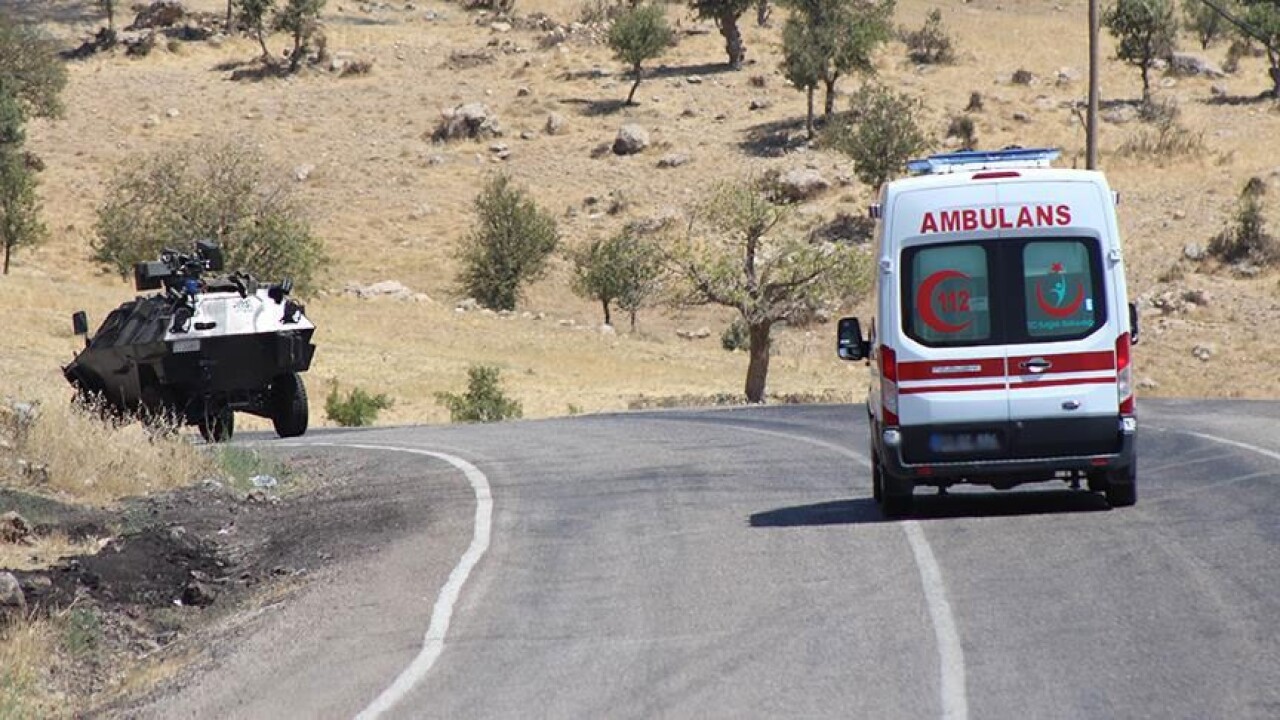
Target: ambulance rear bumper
[{"x": 1005, "y": 471}]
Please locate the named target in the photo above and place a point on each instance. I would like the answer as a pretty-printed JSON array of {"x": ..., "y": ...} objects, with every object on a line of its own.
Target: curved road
[{"x": 730, "y": 564}]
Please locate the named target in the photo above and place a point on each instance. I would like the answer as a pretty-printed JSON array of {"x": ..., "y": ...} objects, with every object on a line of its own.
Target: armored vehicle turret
[{"x": 208, "y": 345}]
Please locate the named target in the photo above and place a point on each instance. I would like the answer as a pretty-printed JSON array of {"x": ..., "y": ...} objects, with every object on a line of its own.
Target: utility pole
[{"x": 1091, "y": 116}]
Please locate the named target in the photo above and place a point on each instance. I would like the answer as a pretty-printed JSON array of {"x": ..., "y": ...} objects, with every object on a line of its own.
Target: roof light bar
[{"x": 969, "y": 160}]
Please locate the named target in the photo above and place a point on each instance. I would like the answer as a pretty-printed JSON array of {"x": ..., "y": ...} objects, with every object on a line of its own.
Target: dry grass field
[{"x": 390, "y": 204}]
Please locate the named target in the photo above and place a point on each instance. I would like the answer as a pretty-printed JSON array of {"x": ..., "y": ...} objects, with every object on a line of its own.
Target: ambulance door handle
[{"x": 1035, "y": 365}]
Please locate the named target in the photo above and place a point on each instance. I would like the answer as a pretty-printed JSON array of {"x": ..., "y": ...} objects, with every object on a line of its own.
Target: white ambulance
[{"x": 1000, "y": 349}]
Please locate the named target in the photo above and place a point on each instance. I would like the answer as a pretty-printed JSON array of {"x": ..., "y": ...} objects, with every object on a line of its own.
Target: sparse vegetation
[
  {"x": 625, "y": 269},
  {"x": 639, "y": 34},
  {"x": 357, "y": 408},
  {"x": 508, "y": 246},
  {"x": 1262, "y": 17},
  {"x": 1247, "y": 239},
  {"x": 484, "y": 401},
  {"x": 1166, "y": 139},
  {"x": 222, "y": 192},
  {"x": 1146, "y": 31},
  {"x": 881, "y": 133},
  {"x": 963, "y": 129},
  {"x": 931, "y": 44},
  {"x": 740, "y": 252}
]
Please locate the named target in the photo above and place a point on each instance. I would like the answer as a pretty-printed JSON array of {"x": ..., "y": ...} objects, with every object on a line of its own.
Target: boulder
[
  {"x": 1120, "y": 114},
  {"x": 159, "y": 14},
  {"x": 802, "y": 184},
  {"x": 14, "y": 528},
  {"x": 673, "y": 160},
  {"x": 1182, "y": 63},
  {"x": 631, "y": 139},
  {"x": 555, "y": 124},
  {"x": 12, "y": 601},
  {"x": 469, "y": 120}
]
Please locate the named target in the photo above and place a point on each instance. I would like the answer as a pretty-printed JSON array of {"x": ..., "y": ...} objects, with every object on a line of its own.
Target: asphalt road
[{"x": 731, "y": 564}]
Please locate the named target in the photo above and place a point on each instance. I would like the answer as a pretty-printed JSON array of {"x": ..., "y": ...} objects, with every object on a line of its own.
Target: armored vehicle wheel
[
  {"x": 289, "y": 405},
  {"x": 217, "y": 426}
]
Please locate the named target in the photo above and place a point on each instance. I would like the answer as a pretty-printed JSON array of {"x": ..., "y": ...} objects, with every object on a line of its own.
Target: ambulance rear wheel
[
  {"x": 289, "y": 405},
  {"x": 877, "y": 480},
  {"x": 897, "y": 495},
  {"x": 1122, "y": 488}
]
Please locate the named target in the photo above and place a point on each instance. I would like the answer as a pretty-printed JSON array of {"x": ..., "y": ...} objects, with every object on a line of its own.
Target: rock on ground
[{"x": 631, "y": 139}]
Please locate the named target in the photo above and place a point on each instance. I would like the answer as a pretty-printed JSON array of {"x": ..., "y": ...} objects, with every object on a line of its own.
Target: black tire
[
  {"x": 217, "y": 426},
  {"x": 877, "y": 480},
  {"x": 289, "y": 412},
  {"x": 898, "y": 495},
  {"x": 1122, "y": 488}
]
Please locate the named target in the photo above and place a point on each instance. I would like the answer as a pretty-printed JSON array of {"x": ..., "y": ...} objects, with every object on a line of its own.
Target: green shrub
[
  {"x": 962, "y": 128},
  {"x": 357, "y": 409},
  {"x": 82, "y": 631},
  {"x": 881, "y": 133},
  {"x": 735, "y": 337},
  {"x": 508, "y": 246},
  {"x": 483, "y": 401},
  {"x": 1247, "y": 240},
  {"x": 930, "y": 44}
]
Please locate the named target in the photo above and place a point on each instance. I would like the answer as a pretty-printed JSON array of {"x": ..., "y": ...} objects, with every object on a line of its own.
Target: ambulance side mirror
[
  {"x": 1133, "y": 324},
  {"x": 849, "y": 342}
]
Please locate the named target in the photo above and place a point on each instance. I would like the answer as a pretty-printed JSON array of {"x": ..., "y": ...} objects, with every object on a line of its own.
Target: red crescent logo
[
  {"x": 924, "y": 301},
  {"x": 1062, "y": 312}
]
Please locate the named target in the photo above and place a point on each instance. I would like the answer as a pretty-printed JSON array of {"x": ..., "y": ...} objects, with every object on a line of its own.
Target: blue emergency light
[{"x": 967, "y": 160}]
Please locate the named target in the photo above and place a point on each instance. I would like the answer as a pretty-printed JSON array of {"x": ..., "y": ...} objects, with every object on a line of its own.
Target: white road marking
[
  {"x": 954, "y": 696},
  {"x": 1234, "y": 443},
  {"x": 442, "y": 613}
]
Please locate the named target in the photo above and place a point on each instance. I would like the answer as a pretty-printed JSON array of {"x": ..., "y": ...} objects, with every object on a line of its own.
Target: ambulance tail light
[
  {"x": 889, "y": 384},
  {"x": 1124, "y": 374}
]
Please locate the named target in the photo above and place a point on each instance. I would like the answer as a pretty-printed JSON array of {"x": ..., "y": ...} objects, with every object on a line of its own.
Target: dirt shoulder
[{"x": 176, "y": 570}]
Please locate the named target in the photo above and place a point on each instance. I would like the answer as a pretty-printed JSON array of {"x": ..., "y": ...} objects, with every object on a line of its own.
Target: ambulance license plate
[{"x": 964, "y": 442}]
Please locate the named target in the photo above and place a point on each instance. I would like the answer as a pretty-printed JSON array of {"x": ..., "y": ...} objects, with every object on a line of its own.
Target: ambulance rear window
[
  {"x": 947, "y": 300},
  {"x": 1000, "y": 291}
]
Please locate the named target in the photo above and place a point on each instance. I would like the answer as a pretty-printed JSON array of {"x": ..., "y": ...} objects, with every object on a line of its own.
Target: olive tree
[
  {"x": 30, "y": 69},
  {"x": 640, "y": 33},
  {"x": 223, "y": 192},
  {"x": 1261, "y": 21},
  {"x": 301, "y": 19},
  {"x": 508, "y": 247},
  {"x": 742, "y": 251},
  {"x": 19, "y": 206},
  {"x": 625, "y": 269},
  {"x": 725, "y": 14},
  {"x": 880, "y": 134},
  {"x": 1147, "y": 30},
  {"x": 823, "y": 40},
  {"x": 253, "y": 14}
]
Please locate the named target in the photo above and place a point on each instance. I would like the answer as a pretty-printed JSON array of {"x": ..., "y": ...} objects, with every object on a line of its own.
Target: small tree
[
  {"x": 301, "y": 19},
  {"x": 741, "y": 253},
  {"x": 825, "y": 39},
  {"x": 484, "y": 400},
  {"x": 725, "y": 14},
  {"x": 1147, "y": 30},
  {"x": 625, "y": 269},
  {"x": 508, "y": 246},
  {"x": 1206, "y": 23},
  {"x": 640, "y": 34},
  {"x": 109, "y": 7},
  {"x": 30, "y": 69},
  {"x": 253, "y": 14},
  {"x": 881, "y": 133},
  {"x": 930, "y": 44},
  {"x": 1262, "y": 17},
  {"x": 357, "y": 409},
  {"x": 221, "y": 192},
  {"x": 19, "y": 207},
  {"x": 1247, "y": 240}
]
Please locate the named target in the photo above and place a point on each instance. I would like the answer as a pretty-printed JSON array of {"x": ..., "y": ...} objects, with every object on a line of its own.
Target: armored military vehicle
[{"x": 208, "y": 345}]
